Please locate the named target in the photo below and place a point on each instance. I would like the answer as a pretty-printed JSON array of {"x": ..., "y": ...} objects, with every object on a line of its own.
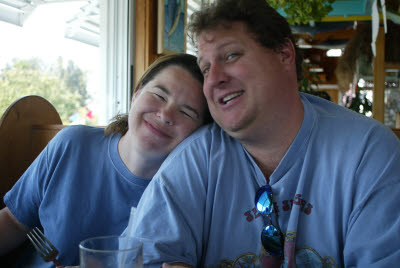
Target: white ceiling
[{"x": 83, "y": 26}]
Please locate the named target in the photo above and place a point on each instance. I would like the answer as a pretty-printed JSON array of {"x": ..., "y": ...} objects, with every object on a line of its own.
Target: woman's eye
[
  {"x": 187, "y": 114},
  {"x": 205, "y": 70},
  {"x": 159, "y": 96}
]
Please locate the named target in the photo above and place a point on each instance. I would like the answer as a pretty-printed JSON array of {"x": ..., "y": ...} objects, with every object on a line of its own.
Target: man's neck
[
  {"x": 267, "y": 157},
  {"x": 268, "y": 144}
]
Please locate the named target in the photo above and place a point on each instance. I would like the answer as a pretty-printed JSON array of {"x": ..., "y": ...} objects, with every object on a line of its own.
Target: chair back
[{"x": 26, "y": 127}]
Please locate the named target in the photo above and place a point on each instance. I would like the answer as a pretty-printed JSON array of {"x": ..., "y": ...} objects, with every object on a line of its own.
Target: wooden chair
[{"x": 26, "y": 127}]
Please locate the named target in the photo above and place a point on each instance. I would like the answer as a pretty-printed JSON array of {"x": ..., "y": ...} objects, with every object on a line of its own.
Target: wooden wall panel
[
  {"x": 145, "y": 36},
  {"x": 378, "y": 106}
]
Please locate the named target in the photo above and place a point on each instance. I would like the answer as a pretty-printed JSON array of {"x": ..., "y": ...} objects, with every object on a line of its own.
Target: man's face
[{"x": 244, "y": 82}]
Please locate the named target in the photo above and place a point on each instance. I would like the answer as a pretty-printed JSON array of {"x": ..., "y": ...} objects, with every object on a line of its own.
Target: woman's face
[{"x": 165, "y": 111}]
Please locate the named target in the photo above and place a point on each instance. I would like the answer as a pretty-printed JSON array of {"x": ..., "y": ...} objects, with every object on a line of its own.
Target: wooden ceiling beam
[{"x": 341, "y": 34}]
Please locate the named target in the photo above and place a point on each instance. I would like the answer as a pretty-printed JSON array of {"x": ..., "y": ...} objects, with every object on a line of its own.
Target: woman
[{"x": 86, "y": 180}]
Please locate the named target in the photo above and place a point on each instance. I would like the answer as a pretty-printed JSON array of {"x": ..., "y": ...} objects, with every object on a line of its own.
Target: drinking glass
[{"x": 111, "y": 252}]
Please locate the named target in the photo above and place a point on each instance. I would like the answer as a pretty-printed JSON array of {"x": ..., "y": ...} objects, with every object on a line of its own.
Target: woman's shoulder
[
  {"x": 79, "y": 131},
  {"x": 76, "y": 135}
]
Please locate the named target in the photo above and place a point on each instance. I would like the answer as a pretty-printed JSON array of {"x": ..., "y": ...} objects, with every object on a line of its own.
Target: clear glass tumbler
[{"x": 111, "y": 252}]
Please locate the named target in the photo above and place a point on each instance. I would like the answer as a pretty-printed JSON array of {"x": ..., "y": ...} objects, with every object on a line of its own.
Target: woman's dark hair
[
  {"x": 268, "y": 27},
  {"x": 185, "y": 61}
]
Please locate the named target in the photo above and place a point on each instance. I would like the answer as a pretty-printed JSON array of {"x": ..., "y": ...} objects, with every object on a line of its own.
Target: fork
[{"x": 47, "y": 250}]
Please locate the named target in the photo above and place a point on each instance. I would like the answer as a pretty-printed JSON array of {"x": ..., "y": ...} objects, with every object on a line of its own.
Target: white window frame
[
  {"x": 117, "y": 59},
  {"x": 116, "y": 48},
  {"x": 15, "y": 11}
]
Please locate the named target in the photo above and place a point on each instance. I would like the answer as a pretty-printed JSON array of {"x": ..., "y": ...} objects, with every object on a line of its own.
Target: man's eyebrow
[
  {"x": 219, "y": 47},
  {"x": 199, "y": 59}
]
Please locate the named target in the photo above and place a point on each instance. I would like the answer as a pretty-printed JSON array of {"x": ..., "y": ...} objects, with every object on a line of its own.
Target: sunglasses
[{"x": 271, "y": 236}]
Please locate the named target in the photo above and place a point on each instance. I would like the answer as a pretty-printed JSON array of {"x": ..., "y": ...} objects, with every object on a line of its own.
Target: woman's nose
[{"x": 166, "y": 114}]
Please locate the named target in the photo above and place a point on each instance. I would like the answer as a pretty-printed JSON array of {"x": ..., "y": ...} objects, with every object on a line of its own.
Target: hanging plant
[
  {"x": 303, "y": 11},
  {"x": 358, "y": 102},
  {"x": 309, "y": 80}
]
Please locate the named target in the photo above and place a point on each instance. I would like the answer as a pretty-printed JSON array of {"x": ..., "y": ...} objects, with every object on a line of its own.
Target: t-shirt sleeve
[
  {"x": 372, "y": 238},
  {"x": 170, "y": 215},
  {"x": 23, "y": 200},
  {"x": 26, "y": 195}
]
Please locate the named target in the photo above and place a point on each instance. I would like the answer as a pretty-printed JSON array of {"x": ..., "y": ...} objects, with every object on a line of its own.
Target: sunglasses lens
[
  {"x": 264, "y": 200},
  {"x": 271, "y": 240}
]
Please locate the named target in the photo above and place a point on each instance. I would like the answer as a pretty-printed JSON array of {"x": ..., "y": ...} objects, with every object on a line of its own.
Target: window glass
[
  {"x": 192, "y": 6},
  {"x": 57, "y": 49}
]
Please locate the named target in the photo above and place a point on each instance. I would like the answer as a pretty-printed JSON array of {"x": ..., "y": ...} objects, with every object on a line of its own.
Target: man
[{"x": 284, "y": 178}]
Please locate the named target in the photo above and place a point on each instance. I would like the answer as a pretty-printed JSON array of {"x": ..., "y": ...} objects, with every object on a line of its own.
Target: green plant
[
  {"x": 64, "y": 87},
  {"x": 309, "y": 80},
  {"x": 303, "y": 11},
  {"x": 358, "y": 102}
]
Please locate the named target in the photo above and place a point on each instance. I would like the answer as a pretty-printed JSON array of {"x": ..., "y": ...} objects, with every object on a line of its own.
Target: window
[
  {"x": 76, "y": 54},
  {"x": 192, "y": 6}
]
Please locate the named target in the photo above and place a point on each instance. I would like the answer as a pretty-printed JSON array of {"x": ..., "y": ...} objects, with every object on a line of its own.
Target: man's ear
[{"x": 288, "y": 52}]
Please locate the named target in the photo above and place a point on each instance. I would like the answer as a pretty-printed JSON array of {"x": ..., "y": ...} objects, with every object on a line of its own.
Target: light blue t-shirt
[
  {"x": 78, "y": 187},
  {"x": 336, "y": 192}
]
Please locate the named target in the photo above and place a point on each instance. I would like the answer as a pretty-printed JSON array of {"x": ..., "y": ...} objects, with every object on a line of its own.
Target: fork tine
[
  {"x": 43, "y": 246},
  {"x": 34, "y": 243},
  {"x": 51, "y": 247},
  {"x": 38, "y": 241}
]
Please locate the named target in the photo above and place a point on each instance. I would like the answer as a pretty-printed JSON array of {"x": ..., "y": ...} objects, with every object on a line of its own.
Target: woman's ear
[{"x": 136, "y": 92}]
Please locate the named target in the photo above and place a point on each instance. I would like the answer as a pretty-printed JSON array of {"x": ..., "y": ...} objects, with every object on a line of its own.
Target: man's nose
[{"x": 216, "y": 76}]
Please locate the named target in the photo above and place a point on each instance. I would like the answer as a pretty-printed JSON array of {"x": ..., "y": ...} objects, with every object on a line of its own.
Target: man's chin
[{"x": 233, "y": 129}]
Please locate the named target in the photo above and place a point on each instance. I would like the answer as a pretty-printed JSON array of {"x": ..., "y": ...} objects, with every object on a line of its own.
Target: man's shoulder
[
  {"x": 342, "y": 118},
  {"x": 205, "y": 137},
  {"x": 344, "y": 127},
  {"x": 202, "y": 144}
]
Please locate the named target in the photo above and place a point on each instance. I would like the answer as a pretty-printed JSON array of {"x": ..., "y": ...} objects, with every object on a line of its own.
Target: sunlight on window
[{"x": 38, "y": 59}]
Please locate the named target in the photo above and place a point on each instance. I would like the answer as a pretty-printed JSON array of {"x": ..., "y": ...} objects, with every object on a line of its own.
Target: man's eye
[
  {"x": 231, "y": 56},
  {"x": 205, "y": 70}
]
